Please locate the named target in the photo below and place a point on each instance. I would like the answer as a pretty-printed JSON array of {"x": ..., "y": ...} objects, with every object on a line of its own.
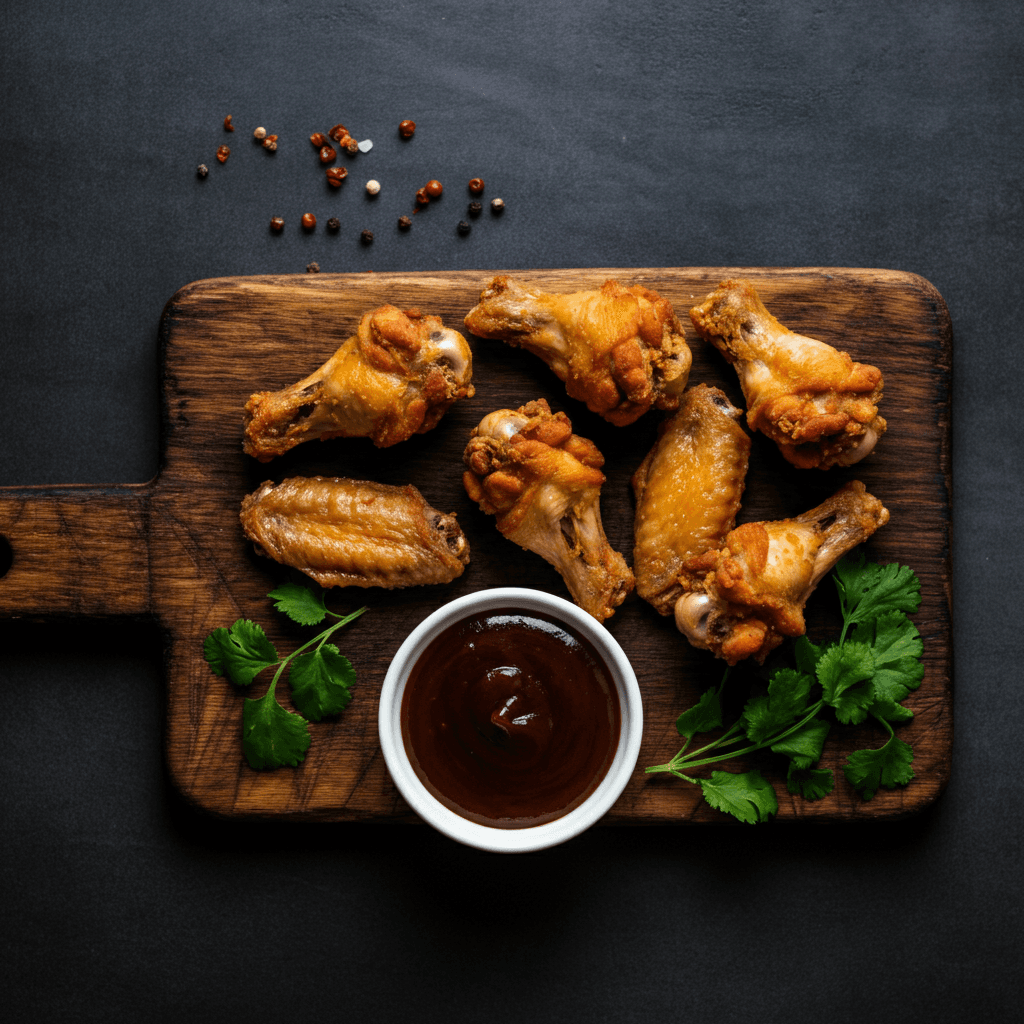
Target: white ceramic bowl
[{"x": 484, "y": 837}]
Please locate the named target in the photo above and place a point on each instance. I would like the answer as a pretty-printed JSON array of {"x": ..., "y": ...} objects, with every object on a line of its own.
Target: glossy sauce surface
[{"x": 511, "y": 719}]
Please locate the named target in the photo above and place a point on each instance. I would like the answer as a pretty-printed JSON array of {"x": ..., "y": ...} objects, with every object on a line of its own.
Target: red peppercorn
[
  {"x": 328, "y": 155},
  {"x": 336, "y": 175},
  {"x": 476, "y": 185},
  {"x": 421, "y": 197},
  {"x": 338, "y": 132},
  {"x": 228, "y": 126},
  {"x": 270, "y": 142},
  {"x": 277, "y": 223},
  {"x": 318, "y": 139},
  {"x": 308, "y": 221},
  {"x": 433, "y": 188},
  {"x": 406, "y": 129},
  {"x": 350, "y": 145},
  {"x": 223, "y": 153}
]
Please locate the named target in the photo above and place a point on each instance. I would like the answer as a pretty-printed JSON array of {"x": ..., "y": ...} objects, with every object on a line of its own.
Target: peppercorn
[
  {"x": 202, "y": 170},
  {"x": 406, "y": 129},
  {"x": 464, "y": 227},
  {"x": 474, "y": 209},
  {"x": 228, "y": 126},
  {"x": 260, "y": 133},
  {"x": 308, "y": 221},
  {"x": 366, "y": 237},
  {"x": 404, "y": 223},
  {"x": 333, "y": 224},
  {"x": 373, "y": 187},
  {"x": 270, "y": 142},
  {"x": 223, "y": 153},
  {"x": 318, "y": 139},
  {"x": 497, "y": 206},
  {"x": 350, "y": 144},
  {"x": 433, "y": 188},
  {"x": 421, "y": 196},
  {"x": 338, "y": 132},
  {"x": 313, "y": 268},
  {"x": 336, "y": 175},
  {"x": 327, "y": 155},
  {"x": 476, "y": 185},
  {"x": 277, "y": 223}
]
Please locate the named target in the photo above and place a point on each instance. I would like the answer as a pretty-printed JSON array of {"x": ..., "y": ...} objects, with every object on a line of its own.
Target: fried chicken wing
[
  {"x": 397, "y": 376},
  {"x": 750, "y": 593},
  {"x": 354, "y": 533},
  {"x": 816, "y": 403},
  {"x": 543, "y": 483},
  {"x": 688, "y": 492},
  {"x": 619, "y": 350}
]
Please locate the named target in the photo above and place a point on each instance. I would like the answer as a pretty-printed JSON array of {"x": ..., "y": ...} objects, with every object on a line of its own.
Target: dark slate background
[{"x": 657, "y": 133}]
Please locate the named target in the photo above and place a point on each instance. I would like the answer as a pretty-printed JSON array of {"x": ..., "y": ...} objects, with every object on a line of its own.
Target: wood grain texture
[{"x": 173, "y": 548}]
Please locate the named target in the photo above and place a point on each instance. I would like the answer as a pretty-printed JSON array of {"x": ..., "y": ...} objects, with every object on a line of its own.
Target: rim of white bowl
[{"x": 485, "y": 837}]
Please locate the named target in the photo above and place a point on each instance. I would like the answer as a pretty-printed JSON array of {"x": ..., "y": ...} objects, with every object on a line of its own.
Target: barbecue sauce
[{"x": 510, "y": 719}]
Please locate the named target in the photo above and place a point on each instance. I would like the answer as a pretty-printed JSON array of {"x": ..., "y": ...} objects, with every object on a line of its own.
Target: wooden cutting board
[{"x": 172, "y": 549}]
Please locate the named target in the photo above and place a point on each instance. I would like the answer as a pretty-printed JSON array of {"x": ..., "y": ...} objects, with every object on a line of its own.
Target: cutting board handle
[{"x": 74, "y": 550}]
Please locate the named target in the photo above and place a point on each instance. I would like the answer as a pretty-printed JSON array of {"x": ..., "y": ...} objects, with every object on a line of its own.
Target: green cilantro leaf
[
  {"x": 321, "y": 680},
  {"x": 704, "y": 716},
  {"x": 805, "y": 745},
  {"x": 747, "y": 796},
  {"x": 897, "y": 649},
  {"x": 240, "y": 653},
  {"x": 810, "y": 783},
  {"x": 272, "y": 736},
  {"x": 868, "y": 590},
  {"x": 888, "y": 766},
  {"x": 299, "y": 603},
  {"x": 845, "y": 676},
  {"x": 765, "y": 716},
  {"x": 807, "y": 655}
]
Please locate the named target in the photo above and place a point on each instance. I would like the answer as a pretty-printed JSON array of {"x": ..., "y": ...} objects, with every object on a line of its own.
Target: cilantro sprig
[
  {"x": 320, "y": 676},
  {"x": 868, "y": 672}
]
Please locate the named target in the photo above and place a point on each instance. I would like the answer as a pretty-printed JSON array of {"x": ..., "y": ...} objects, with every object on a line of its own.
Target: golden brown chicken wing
[
  {"x": 750, "y": 593},
  {"x": 397, "y": 376},
  {"x": 619, "y": 350},
  {"x": 688, "y": 492},
  {"x": 543, "y": 483},
  {"x": 816, "y": 403},
  {"x": 354, "y": 533}
]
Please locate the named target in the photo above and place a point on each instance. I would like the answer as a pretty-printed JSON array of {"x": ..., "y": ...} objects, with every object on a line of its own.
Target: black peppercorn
[
  {"x": 312, "y": 268},
  {"x": 202, "y": 170},
  {"x": 475, "y": 209},
  {"x": 464, "y": 227},
  {"x": 404, "y": 223},
  {"x": 277, "y": 223},
  {"x": 333, "y": 224},
  {"x": 366, "y": 237}
]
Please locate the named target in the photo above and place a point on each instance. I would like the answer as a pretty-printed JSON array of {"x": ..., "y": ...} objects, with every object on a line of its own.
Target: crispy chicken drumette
[
  {"x": 745, "y": 597},
  {"x": 543, "y": 483},
  {"x": 688, "y": 492},
  {"x": 397, "y": 376},
  {"x": 619, "y": 350},
  {"x": 816, "y": 403},
  {"x": 354, "y": 533}
]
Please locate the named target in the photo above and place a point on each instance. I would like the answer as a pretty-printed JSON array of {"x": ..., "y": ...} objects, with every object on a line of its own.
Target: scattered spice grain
[
  {"x": 406, "y": 129},
  {"x": 223, "y": 153},
  {"x": 474, "y": 209},
  {"x": 313, "y": 268},
  {"x": 318, "y": 139},
  {"x": 260, "y": 134},
  {"x": 277, "y": 223},
  {"x": 333, "y": 224},
  {"x": 373, "y": 187},
  {"x": 336, "y": 175},
  {"x": 404, "y": 223},
  {"x": 228, "y": 126},
  {"x": 421, "y": 196},
  {"x": 338, "y": 132},
  {"x": 202, "y": 170},
  {"x": 270, "y": 142},
  {"x": 350, "y": 144},
  {"x": 476, "y": 185},
  {"x": 366, "y": 236},
  {"x": 308, "y": 221},
  {"x": 497, "y": 206},
  {"x": 328, "y": 155},
  {"x": 433, "y": 188},
  {"x": 464, "y": 227}
]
